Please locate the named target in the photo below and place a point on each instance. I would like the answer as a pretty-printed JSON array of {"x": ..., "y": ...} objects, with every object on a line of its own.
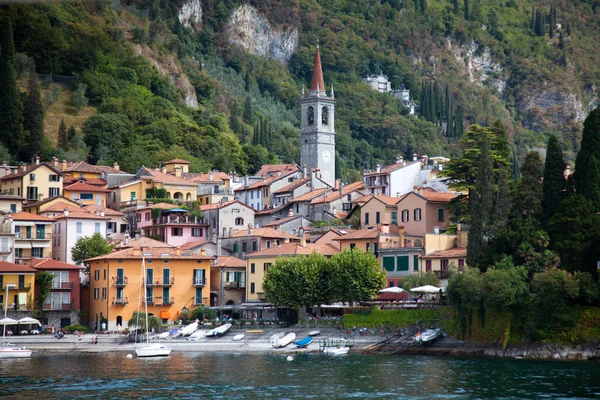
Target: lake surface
[{"x": 309, "y": 376}]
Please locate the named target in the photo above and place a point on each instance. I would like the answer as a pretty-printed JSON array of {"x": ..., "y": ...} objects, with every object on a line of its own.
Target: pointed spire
[{"x": 317, "y": 79}]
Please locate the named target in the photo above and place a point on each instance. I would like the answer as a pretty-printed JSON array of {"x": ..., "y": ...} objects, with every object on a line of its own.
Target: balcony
[
  {"x": 198, "y": 301},
  {"x": 120, "y": 281},
  {"x": 179, "y": 220},
  {"x": 165, "y": 282},
  {"x": 234, "y": 285},
  {"x": 32, "y": 236},
  {"x": 120, "y": 301},
  {"x": 213, "y": 190},
  {"x": 6, "y": 250},
  {"x": 58, "y": 307},
  {"x": 165, "y": 302},
  {"x": 199, "y": 282},
  {"x": 24, "y": 286},
  {"x": 63, "y": 286},
  {"x": 149, "y": 301}
]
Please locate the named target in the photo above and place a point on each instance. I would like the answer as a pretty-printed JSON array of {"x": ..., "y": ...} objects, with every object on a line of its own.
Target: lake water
[{"x": 309, "y": 376}]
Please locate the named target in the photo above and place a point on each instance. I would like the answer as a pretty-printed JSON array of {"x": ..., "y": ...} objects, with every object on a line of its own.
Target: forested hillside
[{"x": 166, "y": 81}]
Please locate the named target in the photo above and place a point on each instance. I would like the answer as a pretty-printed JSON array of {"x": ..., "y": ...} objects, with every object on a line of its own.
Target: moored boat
[
  {"x": 219, "y": 331},
  {"x": 284, "y": 341},
  {"x": 199, "y": 334},
  {"x": 153, "y": 350},
  {"x": 302, "y": 344},
  {"x": 333, "y": 346},
  {"x": 239, "y": 337},
  {"x": 428, "y": 336},
  {"x": 274, "y": 338},
  {"x": 314, "y": 333}
]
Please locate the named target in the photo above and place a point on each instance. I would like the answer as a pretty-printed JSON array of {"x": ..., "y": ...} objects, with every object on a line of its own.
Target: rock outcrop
[
  {"x": 190, "y": 14},
  {"x": 251, "y": 30},
  {"x": 479, "y": 65}
]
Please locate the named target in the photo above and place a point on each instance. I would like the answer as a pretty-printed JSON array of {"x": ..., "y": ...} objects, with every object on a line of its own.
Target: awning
[
  {"x": 22, "y": 245},
  {"x": 24, "y": 223},
  {"x": 165, "y": 315},
  {"x": 8, "y": 321}
]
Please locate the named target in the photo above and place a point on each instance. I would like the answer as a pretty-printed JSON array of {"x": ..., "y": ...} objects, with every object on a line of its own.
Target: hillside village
[{"x": 218, "y": 232}]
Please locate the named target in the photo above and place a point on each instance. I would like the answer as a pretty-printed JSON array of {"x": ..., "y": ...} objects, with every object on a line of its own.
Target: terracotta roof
[
  {"x": 310, "y": 195},
  {"x": 193, "y": 245},
  {"x": 392, "y": 167},
  {"x": 292, "y": 186},
  {"x": 11, "y": 197},
  {"x": 48, "y": 263},
  {"x": 272, "y": 168},
  {"x": 438, "y": 197},
  {"x": 162, "y": 206},
  {"x": 283, "y": 220},
  {"x": 109, "y": 212},
  {"x": 363, "y": 199},
  {"x": 143, "y": 241},
  {"x": 217, "y": 176},
  {"x": 42, "y": 202},
  {"x": 267, "y": 181},
  {"x": 94, "y": 169},
  {"x": 266, "y": 211},
  {"x": 214, "y": 206},
  {"x": 456, "y": 252},
  {"x": 390, "y": 201},
  {"x": 68, "y": 180},
  {"x": 336, "y": 194},
  {"x": 177, "y": 161},
  {"x": 156, "y": 253},
  {"x": 294, "y": 249},
  {"x": 60, "y": 207},
  {"x": 84, "y": 187},
  {"x": 29, "y": 168},
  {"x": 81, "y": 215},
  {"x": 230, "y": 261},
  {"x": 368, "y": 233},
  {"x": 25, "y": 216},
  {"x": 265, "y": 232},
  {"x": 10, "y": 267},
  {"x": 317, "y": 77},
  {"x": 163, "y": 178}
]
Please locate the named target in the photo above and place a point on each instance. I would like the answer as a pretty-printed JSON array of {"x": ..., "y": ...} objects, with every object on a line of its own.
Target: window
[
  {"x": 54, "y": 178},
  {"x": 149, "y": 275},
  {"x": 96, "y": 293},
  {"x": 97, "y": 274},
  {"x": 324, "y": 116},
  {"x": 32, "y": 193},
  {"x": 427, "y": 265},
  {"x": 352, "y": 246},
  {"x": 239, "y": 221},
  {"x": 166, "y": 294},
  {"x": 444, "y": 264},
  {"x": 402, "y": 262},
  {"x": 18, "y": 253},
  {"x": 53, "y": 192},
  {"x": 394, "y": 218},
  {"x": 86, "y": 196},
  {"x": 254, "y": 246},
  {"x": 252, "y": 290},
  {"x": 268, "y": 244},
  {"x": 390, "y": 284},
  {"x": 251, "y": 194},
  {"x": 417, "y": 214},
  {"x": 244, "y": 247},
  {"x": 79, "y": 227},
  {"x": 461, "y": 263},
  {"x": 252, "y": 268},
  {"x": 388, "y": 264},
  {"x": 96, "y": 227},
  {"x": 138, "y": 217},
  {"x": 310, "y": 117},
  {"x": 104, "y": 274},
  {"x": 267, "y": 266},
  {"x": 366, "y": 218},
  {"x": 440, "y": 214},
  {"x": 176, "y": 231},
  {"x": 235, "y": 247},
  {"x": 196, "y": 232},
  {"x": 404, "y": 215},
  {"x": 103, "y": 292},
  {"x": 377, "y": 217},
  {"x": 132, "y": 194},
  {"x": 37, "y": 252},
  {"x": 290, "y": 180},
  {"x": 32, "y": 177},
  {"x": 415, "y": 262},
  {"x": 147, "y": 216}
]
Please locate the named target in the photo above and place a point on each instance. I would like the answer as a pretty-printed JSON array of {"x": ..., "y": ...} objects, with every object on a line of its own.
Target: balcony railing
[
  {"x": 179, "y": 219},
  {"x": 164, "y": 302},
  {"x": 33, "y": 236},
  {"x": 199, "y": 282},
  {"x": 198, "y": 301},
  {"x": 120, "y": 301},
  {"x": 148, "y": 300},
  {"x": 24, "y": 286},
  {"x": 213, "y": 190},
  {"x": 120, "y": 281},
  {"x": 62, "y": 286},
  {"x": 234, "y": 285},
  {"x": 6, "y": 250},
  {"x": 58, "y": 307}
]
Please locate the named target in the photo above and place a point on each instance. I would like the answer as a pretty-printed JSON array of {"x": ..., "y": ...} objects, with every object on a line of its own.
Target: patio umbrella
[
  {"x": 426, "y": 289},
  {"x": 29, "y": 321},
  {"x": 8, "y": 321},
  {"x": 393, "y": 289}
]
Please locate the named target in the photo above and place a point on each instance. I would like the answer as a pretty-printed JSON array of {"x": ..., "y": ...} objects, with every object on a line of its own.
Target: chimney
[
  {"x": 290, "y": 212},
  {"x": 116, "y": 166},
  {"x": 385, "y": 227},
  {"x": 230, "y": 232},
  {"x": 304, "y": 171},
  {"x": 401, "y": 236},
  {"x": 66, "y": 212},
  {"x": 210, "y": 175},
  {"x": 341, "y": 188},
  {"x": 37, "y": 160},
  {"x": 202, "y": 252},
  {"x": 278, "y": 172},
  {"x": 23, "y": 167},
  {"x": 102, "y": 213},
  {"x": 163, "y": 169},
  {"x": 63, "y": 165},
  {"x": 224, "y": 231},
  {"x": 55, "y": 162},
  {"x": 337, "y": 184},
  {"x": 398, "y": 160},
  {"x": 302, "y": 241},
  {"x": 286, "y": 240},
  {"x": 157, "y": 168},
  {"x": 378, "y": 168}
]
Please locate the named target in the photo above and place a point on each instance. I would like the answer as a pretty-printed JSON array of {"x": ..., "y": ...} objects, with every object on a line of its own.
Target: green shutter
[
  {"x": 377, "y": 218},
  {"x": 235, "y": 247},
  {"x": 388, "y": 263},
  {"x": 402, "y": 262},
  {"x": 415, "y": 262},
  {"x": 366, "y": 218}
]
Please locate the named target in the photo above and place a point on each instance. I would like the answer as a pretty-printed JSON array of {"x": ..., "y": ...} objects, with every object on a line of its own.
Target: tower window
[
  {"x": 311, "y": 115},
  {"x": 324, "y": 115}
]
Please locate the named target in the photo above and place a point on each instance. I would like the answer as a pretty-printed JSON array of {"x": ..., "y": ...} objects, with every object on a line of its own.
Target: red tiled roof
[
  {"x": 336, "y": 194},
  {"x": 28, "y": 169},
  {"x": 391, "y": 168},
  {"x": 193, "y": 245},
  {"x": 81, "y": 215},
  {"x": 109, "y": 212},
  {"x": 84, "y": 187},
  {"x": 292, "y": 186},
  {"x": 156, "y": 253},
  {"x": 25, "y": 216},
  {"x": 456, "y": 252},
  {"x": 49, "y": 199},
  {"x": 217, "y": 176},
  {"x": 163, "y": 178},
  {"x": 265, "y": 232},
  {"x": 177, "y": 161},
  {"x": 230, "y": 261},
  {"x": 294, "y": 249},
  {"x": 267, "y": 181},
  {"x": 266, "y": 211},
  {"x": 368, "y": 233},
  {"x": 48, "y": 263},
  {"x": 390, "y": 201},
  {"x": 93, "y": 169},
  {"x": 10, "y": 267},
  {"x": 214, "y": 206},
  {"x": 11, "y": 197},
  {"x": 143, "y": 241},
  {"x": 438, "y": 197},
  {"x": 310, "y": 195},
  {"x": 363, "y": 199},
  {"x": 60, "y": 207},
  {"x": 283, "y": 220},
  {"x": 272, "y": 168},
  {"x": 68, "y": 180}
]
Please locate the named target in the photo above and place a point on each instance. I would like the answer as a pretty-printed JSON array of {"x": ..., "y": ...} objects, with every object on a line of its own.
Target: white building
[
  {"x": 383, "y": 85},
  {"x": 393, "y": 180},
  {"x": 227, "y": 218},
  {"x": 71, "y": 226}
]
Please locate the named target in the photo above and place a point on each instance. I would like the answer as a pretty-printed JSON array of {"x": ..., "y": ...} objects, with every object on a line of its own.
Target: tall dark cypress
[
  {"x": 514, "y": 161},
  {"x": 561, "y": 40},
  {"x": 467, "y": 11},
  {"x": 63, "y": 136},
  {"x": 33, "y": 113},
  {"x": 554, "y": 179},
  {"x": 585, "y": 178},
  {"x": 12, "y": 133},
  {"x": 456, "y": 7}
]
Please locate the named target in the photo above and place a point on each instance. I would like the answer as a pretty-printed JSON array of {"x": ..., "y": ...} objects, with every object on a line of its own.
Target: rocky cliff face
[
  {"x": 190, "y": 14},
  {"x": 478, "y": 64},
  {"x": 251, "y": 30}
]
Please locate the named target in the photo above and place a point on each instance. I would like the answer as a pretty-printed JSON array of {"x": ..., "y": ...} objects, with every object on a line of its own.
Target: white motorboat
[
  {"x": 334, "y": 346},
  {"x": 7, "y": 351},
  {"x": 163, "y": 335},
  {"x": 284, "y": 341},
  {"x": 274, "y": 338},
  {"x": 336, "y": 351},
  {"x": 239, "y": 337},
  {"x": 199, "y": 334},
  {"x": 188, "y": 330},
  {"x": 219, "y": 331},
  {"x": 428, "y": 336},
  {"x": 314, "y": 333}
]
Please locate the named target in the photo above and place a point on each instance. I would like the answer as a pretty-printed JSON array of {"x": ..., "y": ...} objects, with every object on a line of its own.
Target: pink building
[
  {"x": 143, "y": 216},
  {"x": 177, "y": 227}
]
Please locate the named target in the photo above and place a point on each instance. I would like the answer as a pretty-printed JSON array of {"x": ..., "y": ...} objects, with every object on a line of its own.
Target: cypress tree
[
  {"x": 502, "y": 204},
  {"x": 532, "y": 22},
  {"x": 63, "y": 137},
  {"x": 568, "y": 29},
  {"x": 528, "y": 199},
  {"x": 33, "y": 114},
  {"x": 72, "y": 133},
  {"x": 456, "y": 7},
  {"x": 12, "y": 133},
  {"x": 554, "y": 180},
  {"x": 248, "y": 113},
  {"x": 447, "y": 116},
  {"x": 480, "y": 201},
  {"x": 467, "y": 11},
  {"x": 586, "y": 179},
  {"x": 561, "y": 40},
  {"x": 247, "y": 82}
]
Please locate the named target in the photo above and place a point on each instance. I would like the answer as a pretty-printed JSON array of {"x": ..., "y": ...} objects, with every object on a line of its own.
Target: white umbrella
[
  {"x": 426, "y": 289},
  {"x": 8, "y": 321},
  {"x": 393, "y": 289},
  {"x": 29, "y": 321}
]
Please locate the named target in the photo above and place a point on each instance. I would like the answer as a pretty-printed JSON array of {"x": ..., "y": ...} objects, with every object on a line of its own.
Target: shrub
[{"x": 73, "y": 328}]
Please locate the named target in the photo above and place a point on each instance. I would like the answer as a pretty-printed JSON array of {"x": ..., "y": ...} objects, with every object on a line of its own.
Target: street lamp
[{"x": 7, "y": 286}]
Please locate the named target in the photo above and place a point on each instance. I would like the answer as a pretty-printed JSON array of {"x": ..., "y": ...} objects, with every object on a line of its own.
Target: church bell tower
[{"x": 317, "y": 130}]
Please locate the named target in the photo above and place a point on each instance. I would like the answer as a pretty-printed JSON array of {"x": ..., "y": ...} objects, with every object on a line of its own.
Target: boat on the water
[
  {"x": 303, "y": 343},
  {"x": 199, "y": 334},
  {"x": 219, "y": 331},
  {"x": 6, "y": 350},
  {"x": 284, "y": 341},
  {"x": 428, "y": 336},
  {"x": 239, "y": 337},
  {"x": 333, "y": 346}
]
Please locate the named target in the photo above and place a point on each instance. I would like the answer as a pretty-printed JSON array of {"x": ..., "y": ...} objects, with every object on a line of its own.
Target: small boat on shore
[
  {"x": 333, "y": 346},
  {"x": 284, "y": 341},
  {"x": 239, "y": 337},
  {"x": 188, "y": 330},
  {"x": 219, "y": 331},
  {"x": 302, "y": 344},
  {"x": 274, "y": 338},
  {"x": 428, "y": 336},
  {"x": 314, "y": 333},
  {"x": 199, "y": 334}
]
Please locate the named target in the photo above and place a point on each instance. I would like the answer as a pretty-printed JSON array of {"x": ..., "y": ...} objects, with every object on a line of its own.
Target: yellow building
[
  {"x": 443, "y": 250},
  {"x": 173, "y": 280},
  {"x": 47, "y": 207},
  {"x": 259, "y": 262},
  {"x": 213, "y": 186},
  {"x": 34, "y": 182},
  {"x": 85, "y": 194},
  {"x": 33, "y": 236},
  {"x": 78, "y": 170},
  {"x": 20, "y": 296}
]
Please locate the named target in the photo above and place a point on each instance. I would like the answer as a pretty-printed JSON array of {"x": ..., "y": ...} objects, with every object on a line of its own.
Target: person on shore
[
  {"x": 382, "y": 330},
  {"x": 103, "y": 325},
  {"x": 52, "y": 330}
]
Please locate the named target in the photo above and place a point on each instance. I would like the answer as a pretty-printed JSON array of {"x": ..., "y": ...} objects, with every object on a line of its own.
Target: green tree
[
  {"x": 423, "y": 279},
  {"x": 63, "y": 136},
  {"x": 12, "y": 133},
  {"x": 467, "y": 10},
  {"x": 248, "y": 114},
  {"x": 465, "y": 294},
  {"x": 43, "y": 284},
  {"x": 528, "y": 200},
  {"x": 33, "y": 113},
  {"x": 587, "y": 176},
  {"x": 138, "y": 321},
  {"x": 356, "y": 276},
  {"x": 78, "y": 98},
  {"x": 554, "y": 179},
  {"x": 88, "y": 247}
]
